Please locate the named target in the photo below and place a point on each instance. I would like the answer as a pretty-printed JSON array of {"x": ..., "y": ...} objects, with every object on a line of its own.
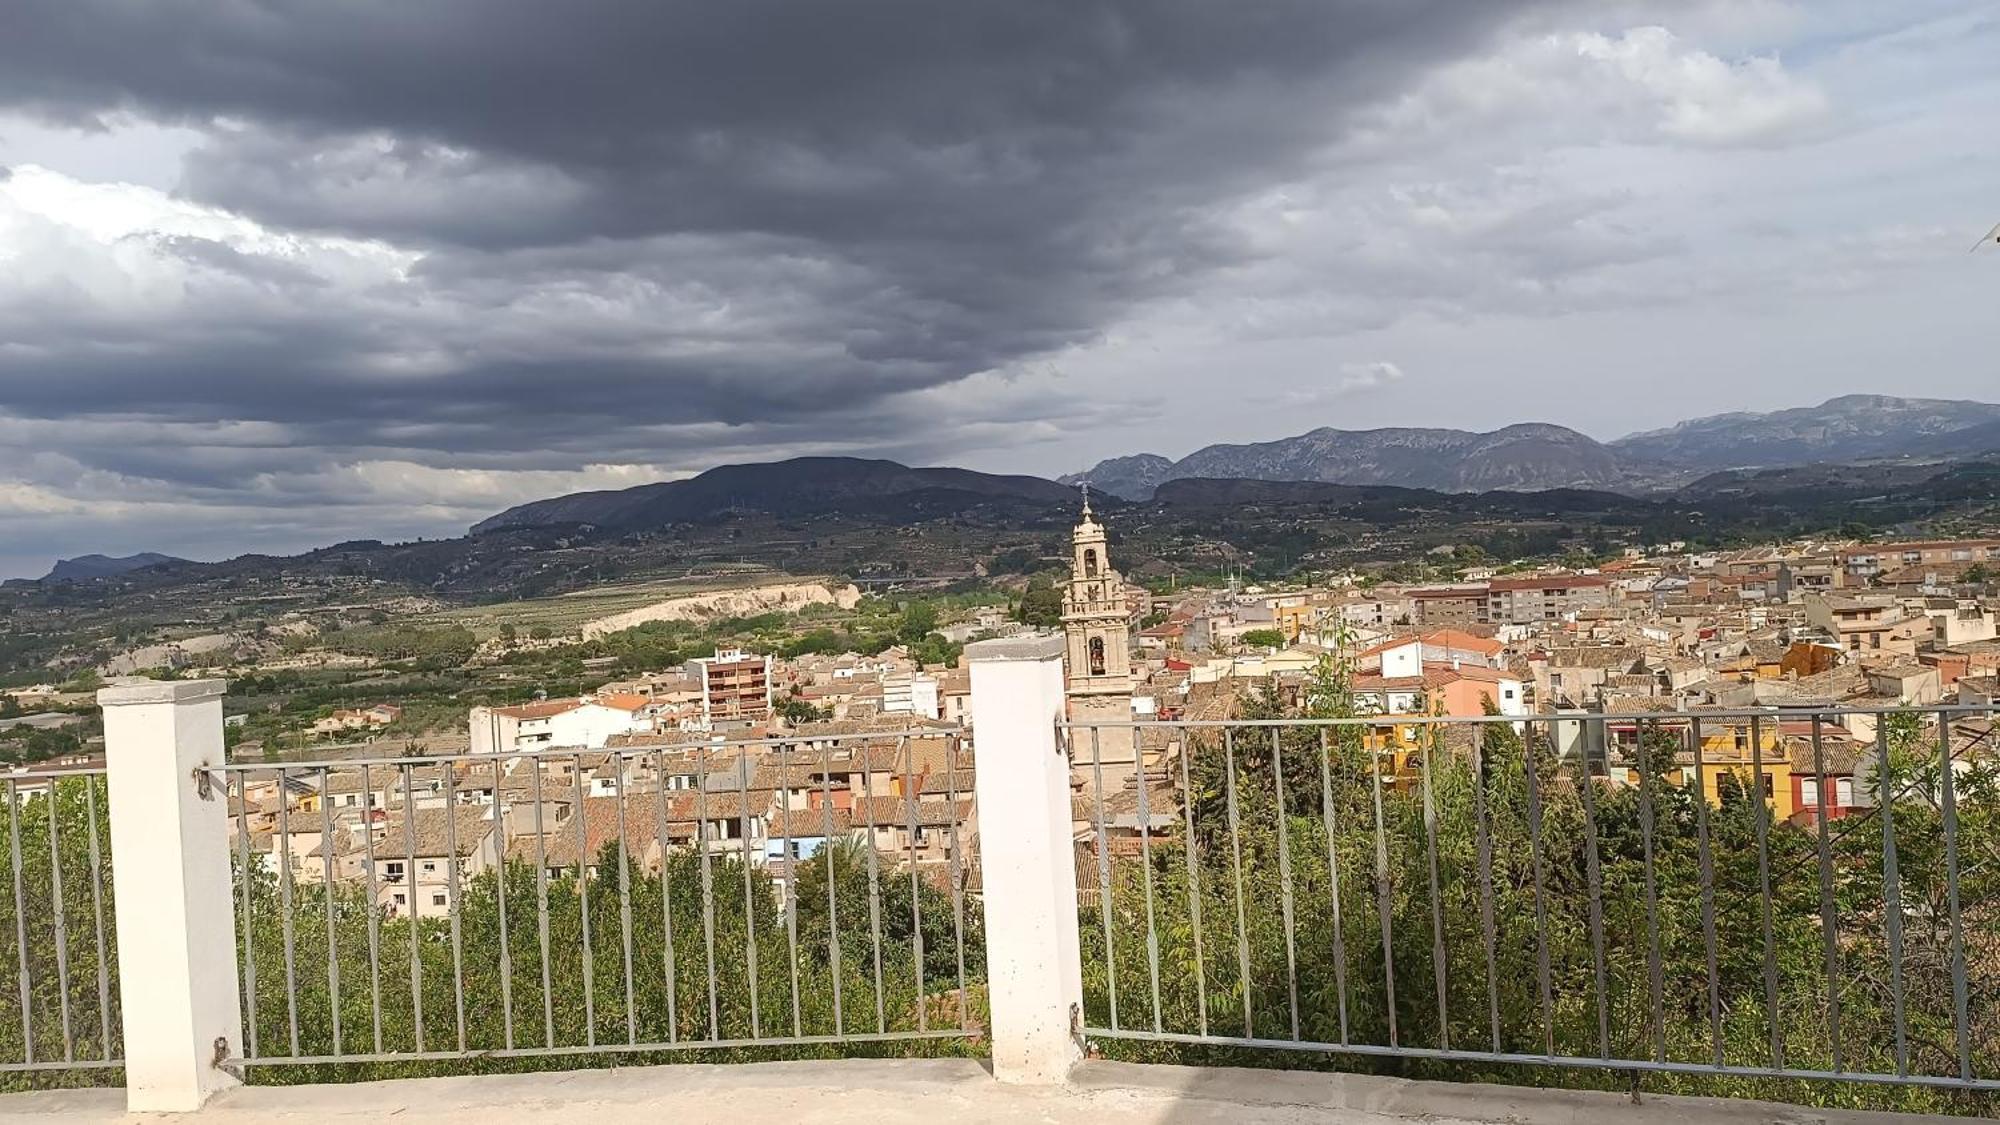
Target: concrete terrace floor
[{"x": 931, "y": 1092}]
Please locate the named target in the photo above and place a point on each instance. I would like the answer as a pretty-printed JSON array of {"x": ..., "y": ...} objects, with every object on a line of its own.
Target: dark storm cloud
[{"x": 944, "y": 187}]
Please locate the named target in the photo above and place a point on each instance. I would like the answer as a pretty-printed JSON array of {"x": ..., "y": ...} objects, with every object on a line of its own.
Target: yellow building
[{"x": 1726, "y": 750}]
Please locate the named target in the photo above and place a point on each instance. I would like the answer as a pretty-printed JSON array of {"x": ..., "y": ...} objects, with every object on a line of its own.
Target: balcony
[{"x": 1466, "y": 906}]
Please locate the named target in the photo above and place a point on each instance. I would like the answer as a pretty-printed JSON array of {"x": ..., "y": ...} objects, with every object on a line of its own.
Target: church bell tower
[{"x": 1098, "y": 628}]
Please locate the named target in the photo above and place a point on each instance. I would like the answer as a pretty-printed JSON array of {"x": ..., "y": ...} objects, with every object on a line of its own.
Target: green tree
[
  {"x": 1263, "y": 638},
  {"x": 1041, "y": 604}
]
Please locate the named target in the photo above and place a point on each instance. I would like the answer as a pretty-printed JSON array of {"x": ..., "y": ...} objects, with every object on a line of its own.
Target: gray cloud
[{"x": 423, "y": 260}]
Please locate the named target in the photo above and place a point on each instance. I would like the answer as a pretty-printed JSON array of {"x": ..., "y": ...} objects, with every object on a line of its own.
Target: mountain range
[
  {"x": 802, "y": 486},
  {"x": 1535, "y": 456}
]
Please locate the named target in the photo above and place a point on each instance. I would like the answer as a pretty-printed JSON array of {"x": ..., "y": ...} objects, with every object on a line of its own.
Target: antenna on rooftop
[{"x": 1085, "y": 486}]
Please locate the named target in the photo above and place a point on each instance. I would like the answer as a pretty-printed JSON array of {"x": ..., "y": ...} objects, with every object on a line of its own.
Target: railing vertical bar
[
  {"x": 1706, "y": 859},
  {"x": 1384, "y": 891},
  {"x": 1440, "y": 968},
  {"x": 1236, "y": 863},
  {"x": 452, "y": 893},
  {"x": 1146, "y": 874},
  {"x": 505, "y": 850},
  {"x": 20, "y": 919},
  {"x": 783, "y": 789},
  {"x": 743, "y": 767},
  {"x": 834, "y": 965},
  {"x": 1594, "y": 874},
  {"x": 1829, "y": 926},
  {"x": 59, "y": 922},
  {"x": 1892, "y": 894},
  {"x": 1655, "y": 985},
  {"x": 707, "y": 886},
  {"x": 243, "y": 882},
  {"x": 1484, "y": 845},
  {"x": 1104, "y": 874},
  {"x": 97, "y": 913},
  {"x": 374, "y": 906},
  {"x": 910, "y": 802},
  {"x": 625, "y": 897},
  {"x": 1761, "y": 808},
  {"x": 954, "y": 873},
  {"x": 1332, "y": 874},
  {"x": 542, "y": 901},
  {"x": 668, "y": 965},
  {"x": 410, "y": 889},
  {"x": 874, "y": 883},
  {"x": 1194, "y": 893},
  {"x": 1960, "y": 998},
  {"x": 285, "y": 898},
  {"x": 327, "y": 856},
  {"x": 1542, "y": 974},
  {"x": 1284, "y": 882},
  {"x": 583, "y": 857}
]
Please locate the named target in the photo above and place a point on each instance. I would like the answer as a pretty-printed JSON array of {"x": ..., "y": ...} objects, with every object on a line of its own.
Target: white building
[
  {"x": 910, "y": 693},
  {"x": 586, "y": 723}
]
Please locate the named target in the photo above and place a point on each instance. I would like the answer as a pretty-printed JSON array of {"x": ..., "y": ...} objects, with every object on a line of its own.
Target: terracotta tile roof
[
  {"x": 429, "y": 829},
  {"x": 1548, "y": 582},
  {"x": 894, "y": 812}
]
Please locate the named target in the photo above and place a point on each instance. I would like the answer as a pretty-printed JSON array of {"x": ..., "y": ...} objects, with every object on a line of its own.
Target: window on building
[
  {"x": 437, "y": 900},
  {"x": 1770, "y": 787},
  {"x": 1097, "y": 656},
  {"x": 1809, "y": 792},
  {"x": 1090, "y": 563},
  {"x": 1843, "y": 792}
]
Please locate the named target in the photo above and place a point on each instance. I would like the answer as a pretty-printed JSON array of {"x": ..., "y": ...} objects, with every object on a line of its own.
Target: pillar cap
[
  {"x": 1042, "y": 646},
  {"x": 132, "y": 690}
]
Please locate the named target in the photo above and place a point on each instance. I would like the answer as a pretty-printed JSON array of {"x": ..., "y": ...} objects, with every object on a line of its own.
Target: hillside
[{"x": 801, "y": 486}]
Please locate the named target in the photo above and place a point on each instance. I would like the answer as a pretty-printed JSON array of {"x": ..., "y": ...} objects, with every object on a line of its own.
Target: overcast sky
[{"x": 278, "y": 274}]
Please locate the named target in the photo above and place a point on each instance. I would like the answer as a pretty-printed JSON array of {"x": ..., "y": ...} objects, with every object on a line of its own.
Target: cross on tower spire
[{"x": 1085, "y": 485}]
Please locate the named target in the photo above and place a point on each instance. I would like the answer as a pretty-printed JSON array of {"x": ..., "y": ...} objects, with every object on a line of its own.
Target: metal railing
[
  {"x": 645, "y": 898},
  {"x": 60, "y": 949},
  {"x": 1606, "y": 892}
]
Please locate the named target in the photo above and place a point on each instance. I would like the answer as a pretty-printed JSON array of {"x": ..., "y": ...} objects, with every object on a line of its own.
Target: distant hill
[
  {"x": 86, "y": 567},
  {"x": 1849, "y": 428},
  {"x": 1533, "y": 457},
  {"x": 799, "y": 487},
  {"x": 1529, "y": 456}
]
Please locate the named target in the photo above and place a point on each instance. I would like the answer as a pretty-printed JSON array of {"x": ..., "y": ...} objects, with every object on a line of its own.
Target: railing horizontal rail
[
  {"x": 1365, "y": 720},
  {"x": 635, "y": 746},
  {"x": 1577, "y": 1062}
]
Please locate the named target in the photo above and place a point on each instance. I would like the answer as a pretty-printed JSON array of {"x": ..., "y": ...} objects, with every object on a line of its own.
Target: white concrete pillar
[
  {"x": 170, "y": 875},
  {"x": 1034, "y": 968}
]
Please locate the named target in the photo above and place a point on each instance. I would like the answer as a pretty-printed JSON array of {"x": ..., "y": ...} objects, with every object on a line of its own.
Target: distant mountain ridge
[
  {"x": 1848, "y": 428},
  {"x": 801, "y": 486},
  {"x": 86, "y": 567},
  {"x": 1535, "y": 456},
  {"x": 1529, "y": 456}
]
